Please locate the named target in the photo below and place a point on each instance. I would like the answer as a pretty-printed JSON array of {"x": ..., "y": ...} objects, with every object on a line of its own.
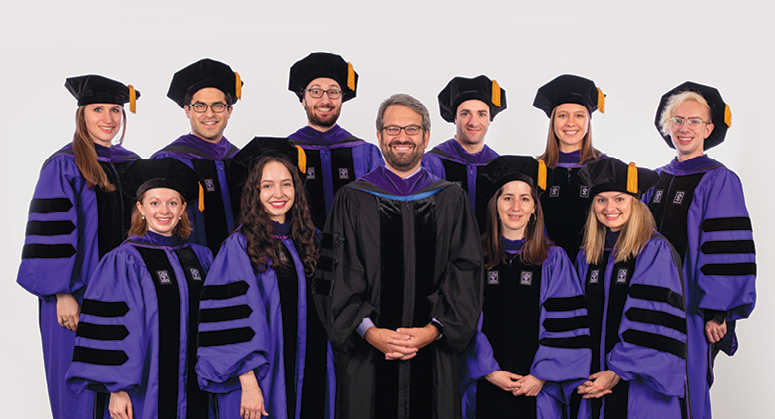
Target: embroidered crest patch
[
  {"x": 209, "y": 185},
  {"x": 583, "y": 191},
  {"x": 195, "y": 274},
  {"x": 525, "y": 278},
  {"x": 621, "y": 276},
  {"x": 657, "y": 196},
  {"x": 554, "y": 191},
  {"x": 164, "y": 277},
  {"x": 679, "y": 197},
  {"x": 492, "y": 277},
  {"x": 344, "y": 173},
  {"x": 310, "y": 173},
  {"x": 594, "y": 276}
]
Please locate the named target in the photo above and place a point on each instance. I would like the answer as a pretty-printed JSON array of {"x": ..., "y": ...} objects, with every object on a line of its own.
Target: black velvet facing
[
  {"x": 288, "y": 287},
  {"x": 316, "y": 198},
  {"x": 114, "y": 209},
  {"x": 571, "y": 343},
  {"x": 729, "y": 269},
  {"x": 726, "y": 224},
  {"x": 49, "y": 228},
  {"x": 215, "y": 226},
  {"x": 565, "y": 205},
  {"x": 322, "y": 287},
  {"x": 224, "y": 292},
  {"x": 342, "y": 167},
  {"x": 565, "y": 325},
  {"x": 327, "y": 264},
  {"x": 565, "y": 304},
  {"x": 226, "y": 337},
  {"x": 670, "y": 215},
  {"x": 657, "y": 294},
  {"x": 728, "y": 246},
  {"x": 168, "y": 300},
  {"x": 456, "y": 172},
  {"x": 49, "y": 205},
  {"x": 658, "y": 318},
  {"x": 104, "y": 309},
  {"x": 656, "y": 342}
]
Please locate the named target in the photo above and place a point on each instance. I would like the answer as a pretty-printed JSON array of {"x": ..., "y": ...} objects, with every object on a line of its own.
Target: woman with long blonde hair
[
  {"x": 77, "y": 215},
  {"x": 632, "y": 283},
  {"x": 569, "y": 101},
  {"x": 521, "y": 366}
]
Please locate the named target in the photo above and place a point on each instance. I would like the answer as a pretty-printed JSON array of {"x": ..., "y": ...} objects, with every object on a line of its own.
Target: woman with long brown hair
[
  {"x": 137, "y": 335},
  {"x": 258, "y": 350},
  {"x": 569, "y": 102},
  {"x": 632, "y": 284},
  {"x": 77, "y": 215},
  {"x": 532, "y": 349}
]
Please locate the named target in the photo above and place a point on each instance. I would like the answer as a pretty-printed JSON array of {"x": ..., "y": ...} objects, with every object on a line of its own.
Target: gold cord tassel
[
  {"x": 632, "y": 178},
  {"x": 600, "y": 100},
  {"x": 201, "y": 197},
  {"x": 238, "y": 87},
  {"x": 727, "y": 115},
  {"x": 350, "y": 77},
  {"x": 302, "y": 160},
  {"x": 132, "y": 99},
  {"x": 496, "y": 94},
  {"x": 541, "y": 174}
]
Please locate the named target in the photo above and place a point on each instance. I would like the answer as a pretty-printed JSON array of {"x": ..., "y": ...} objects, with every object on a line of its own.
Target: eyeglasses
[
  {"x": 317, "y": 93},
  {"x": 200, "y": 107},
  {"x": 410, "y": 130},
  {"x": 692, "y": 123}
]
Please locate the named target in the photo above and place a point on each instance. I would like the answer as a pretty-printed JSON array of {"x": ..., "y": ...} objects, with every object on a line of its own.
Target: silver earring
[{"x": 143, "y": 217}]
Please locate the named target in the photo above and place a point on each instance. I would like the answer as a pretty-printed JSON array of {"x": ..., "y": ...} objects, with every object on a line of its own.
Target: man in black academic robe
[{"x": 400, "y": 279}]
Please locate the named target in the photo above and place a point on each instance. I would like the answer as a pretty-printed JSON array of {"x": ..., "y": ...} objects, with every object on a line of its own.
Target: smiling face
[
  {"x": 613, "y": 209},
  {"x": 689, "y": 142},
  {"x": 208, "y": 125},
  {"x": 571, "y": 123},
  {"x": 277, "y": 191},
  {"x": 402, "y": 152},
  {"x": 102, "y": 122},
  {"x": 323, "y": 112},
  {"x": 472, "y": 121},
  {"x": 515, "y": 206},
  {"x": 161, "y": 208}
]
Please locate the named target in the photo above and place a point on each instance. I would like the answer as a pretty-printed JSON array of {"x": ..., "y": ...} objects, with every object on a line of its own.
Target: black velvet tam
[
  {"x": 146, "y": 174},
  {"x": 323, "y": 64},
  {"x": 202, "y": 74},
  {"x": 92, "y": 88},
  {"x": 720, "y": 114},
  {"x": 461, "y": 89},
  {"x": 505, "y": 169},
  {"x": 569, "y": 88},
  {"x": 608, "y": 174}
]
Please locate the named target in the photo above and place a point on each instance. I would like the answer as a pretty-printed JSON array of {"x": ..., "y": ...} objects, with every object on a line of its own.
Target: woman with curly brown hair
[{"x": 260, "y": 345}]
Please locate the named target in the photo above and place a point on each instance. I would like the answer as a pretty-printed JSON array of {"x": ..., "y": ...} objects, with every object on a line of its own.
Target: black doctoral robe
[{"x": 425, "y": 243}]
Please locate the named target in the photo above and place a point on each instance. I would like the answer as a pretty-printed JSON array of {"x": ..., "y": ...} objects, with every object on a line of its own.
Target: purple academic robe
[
  {"x": 210, "y": 163},
  {"x": 400, "y": 253},
  {"x": 543, "y": 309},
  {"x": 449, "y": 161},
  {"x": 334, "y": 159},
  {"x": 638, "y": 330},
  {"x": 241, "y": 330},
  {"x": 699, "y": 206},
  {"x": 138, "y": 320},
  {"x": 69, "y": 228}
]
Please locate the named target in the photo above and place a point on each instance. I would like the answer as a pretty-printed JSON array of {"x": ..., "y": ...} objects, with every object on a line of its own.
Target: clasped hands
[{"x": 401, "y": 344}]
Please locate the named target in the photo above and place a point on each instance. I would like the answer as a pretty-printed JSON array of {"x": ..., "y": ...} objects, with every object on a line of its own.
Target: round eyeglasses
[{"x": 692, "y": 123}]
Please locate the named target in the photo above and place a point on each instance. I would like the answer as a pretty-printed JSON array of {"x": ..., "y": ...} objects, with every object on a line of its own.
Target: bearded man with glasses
[
  {"x": 698, "y": 205},
  {"x": 323, "y": 82},
  {"x": 207, "y": 91},
  {"x": 400, "y": 279}
]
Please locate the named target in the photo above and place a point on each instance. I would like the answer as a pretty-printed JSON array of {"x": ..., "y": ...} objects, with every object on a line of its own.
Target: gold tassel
[
  {"x": 632, "y": 178},
  {"x": 496, "y": 94},
  {"x": 302, "y": 160},
  {"x": 238, "y": 87},
  {"x": 201, "y": 197},
  {"x": 727, "y": 115},
  {"x": 132, "y": 99},
  {"x": 600, "y": 100},
  {"x": 350, "y": 77},
  {"x": 541, "y": 174}
]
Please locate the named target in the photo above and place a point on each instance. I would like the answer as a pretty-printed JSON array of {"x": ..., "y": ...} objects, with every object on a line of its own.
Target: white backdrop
[{"x": 634, "y": 52}]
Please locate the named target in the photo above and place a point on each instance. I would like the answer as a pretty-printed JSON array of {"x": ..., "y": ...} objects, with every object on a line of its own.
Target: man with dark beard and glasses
[
  {"x": 400, "y": 279},
  {"x": 323, "y": 81}
]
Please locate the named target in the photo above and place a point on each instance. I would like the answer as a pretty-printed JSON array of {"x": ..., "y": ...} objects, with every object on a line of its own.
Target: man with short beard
[
  {"x": 400, "y": 279},
  {"x": 323, "y": 81},
  {"x": 471, "y": 104}
]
